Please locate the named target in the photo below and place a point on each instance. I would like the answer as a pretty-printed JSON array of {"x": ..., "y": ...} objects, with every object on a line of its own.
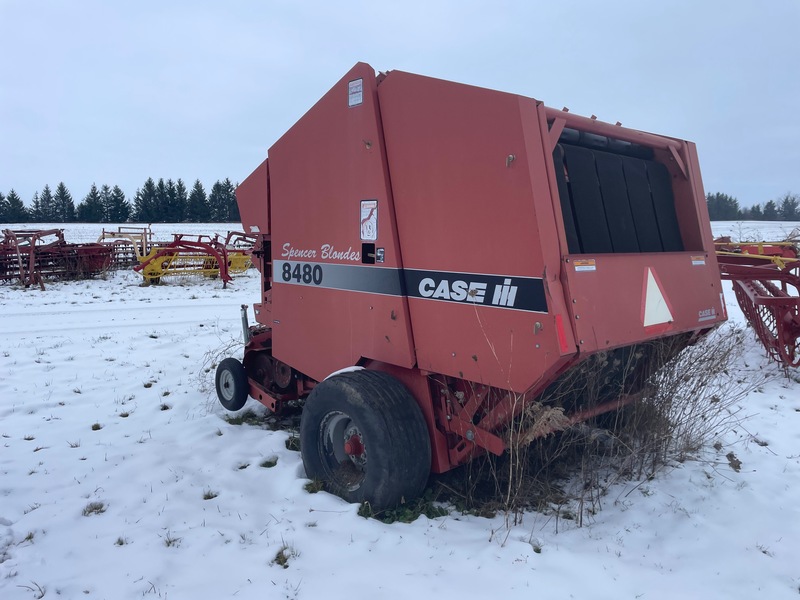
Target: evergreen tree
[
  {"x": 788, "y": 209},
  {"x": 47, "y": 213},
  {"x": 15, "y": 209},
  {"x": 145, "y": 205},
  {"x": 117, "y": 209},
  {"x": 181, "y": 200},
  {"x": 197, "y": 210},
  {"x": 770, "y": 211},
  {"x": 36, "y": 209},
  {"x": 222, "y": 202},
  {"x": 3, "y": 208},
  {"x": 162, "y": 201},
  {"x": 168, "y": 213},
  {"x": 722, "y": 207},
  {"x": 216, "y": 202},
  {"x": 105, "y": 200},
  {"x": 756, "y": 213},
  {"x": 233, "y": 205},
  {"x": 90, "y": 210},
  {"x": 63, "y": 206}
]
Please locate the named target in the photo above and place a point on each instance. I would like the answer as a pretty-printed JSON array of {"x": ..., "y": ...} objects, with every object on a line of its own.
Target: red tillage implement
[
  {"x": 766, "y": 280},
  {"x": 34, "y": 255},
  {"x": 438, "y": 259}
]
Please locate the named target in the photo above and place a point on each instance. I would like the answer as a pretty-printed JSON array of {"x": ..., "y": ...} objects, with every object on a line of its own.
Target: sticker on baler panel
[
  {"x": 355, "y": 92},
  {"x": 584, "y": 264},
  {"x": 698, "y": 261},
  {"x": 369, "y": 220},
  {"x": 706, "y": 314},
  {"x": 356, "y": 278},
  {"x": 501, "y": 291}
]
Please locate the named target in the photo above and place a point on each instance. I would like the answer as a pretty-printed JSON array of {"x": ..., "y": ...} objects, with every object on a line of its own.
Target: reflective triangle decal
[{"x": 655, "y": 311}]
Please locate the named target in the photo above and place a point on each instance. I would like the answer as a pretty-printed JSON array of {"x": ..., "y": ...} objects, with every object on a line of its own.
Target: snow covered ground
[{"x": 120, "y": 479}]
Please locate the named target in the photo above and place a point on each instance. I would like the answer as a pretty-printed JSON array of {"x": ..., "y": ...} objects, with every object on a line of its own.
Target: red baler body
[{"x": 462, "y": 238}]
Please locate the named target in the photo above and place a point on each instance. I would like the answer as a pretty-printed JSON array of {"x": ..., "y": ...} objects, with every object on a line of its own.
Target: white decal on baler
[
  {"x": 329, "y": 252},
  {"x": 656, "y": 310},
  {"x": 326, "y": 251},
  {"x": 355, "y": 92},
  {"x": 369, "y": 220},
  {"x": 706, "y": 314},
  {"x": 291, "y": 252},
  {"x": 504, "y": 295},
  {"x": 458, "y": 290}
]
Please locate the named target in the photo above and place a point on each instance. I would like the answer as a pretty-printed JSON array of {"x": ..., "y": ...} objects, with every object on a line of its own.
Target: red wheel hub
[{"x": 353, "y": 445}]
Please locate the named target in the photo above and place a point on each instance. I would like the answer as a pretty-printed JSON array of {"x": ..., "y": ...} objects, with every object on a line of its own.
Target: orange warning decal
[{"x": 698, "y": 261}]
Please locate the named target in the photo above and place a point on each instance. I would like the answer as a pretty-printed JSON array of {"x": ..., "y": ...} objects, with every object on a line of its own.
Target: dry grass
[{"x": 687, "y": 404}]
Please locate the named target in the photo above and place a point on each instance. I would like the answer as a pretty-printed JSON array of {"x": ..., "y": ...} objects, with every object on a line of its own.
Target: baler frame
[{"x": 406, "y": 289}]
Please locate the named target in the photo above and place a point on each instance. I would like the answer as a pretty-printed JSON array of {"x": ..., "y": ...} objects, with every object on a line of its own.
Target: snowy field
[{"x": 119, "y": 478}]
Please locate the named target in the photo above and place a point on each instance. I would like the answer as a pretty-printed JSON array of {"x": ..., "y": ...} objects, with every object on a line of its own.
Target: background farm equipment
[
  {"x": 192, "y": 256},
  {"x": 128, "y": 244},
  {"x": 766, "y": 281},
  {"x": 31, "y": 256}
]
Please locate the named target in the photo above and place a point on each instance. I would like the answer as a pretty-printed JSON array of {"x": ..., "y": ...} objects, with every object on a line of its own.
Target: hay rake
[
  {"x": 766, "y": 281},
  {"x": 191, "y": 256}
]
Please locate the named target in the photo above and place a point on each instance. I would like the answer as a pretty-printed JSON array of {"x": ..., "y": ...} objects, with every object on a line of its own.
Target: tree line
[
  {"x": 155, "y": 202},
  {"x": 722, "y": 207}
]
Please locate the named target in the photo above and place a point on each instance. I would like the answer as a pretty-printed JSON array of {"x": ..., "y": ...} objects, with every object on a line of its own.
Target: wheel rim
[
  {"x": 343, "y": 451},
  {"x": 227, "y": 385}
]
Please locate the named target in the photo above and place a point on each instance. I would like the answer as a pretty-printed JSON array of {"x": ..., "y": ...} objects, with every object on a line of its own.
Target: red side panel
[
  {"x": 467, "y": 166},
  {"x": 624, "y": 299},
  {"x": 252, "y": 196},
  {"x": 337, "y": 294}
]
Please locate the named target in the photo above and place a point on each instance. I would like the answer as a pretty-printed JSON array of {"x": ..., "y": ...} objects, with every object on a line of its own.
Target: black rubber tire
[
  {"x": 231, "y": 384},
  {"x": 397, "y": 450}
]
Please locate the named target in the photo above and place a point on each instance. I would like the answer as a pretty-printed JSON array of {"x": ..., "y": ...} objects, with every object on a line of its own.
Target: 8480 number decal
[{"x": 302, "y": 273}]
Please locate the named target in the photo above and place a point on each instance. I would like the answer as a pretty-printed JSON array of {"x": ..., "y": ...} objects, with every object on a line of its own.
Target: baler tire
[
  {"x": 391, "y": 433},
  {"x": 231, "y": 384}
]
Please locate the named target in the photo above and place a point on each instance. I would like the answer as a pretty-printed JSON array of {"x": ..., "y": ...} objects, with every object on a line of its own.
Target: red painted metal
[
  {"x": 31, "y": 256},
  {"x": 766, "y": 281},
  {"x": 186, "y": 256},
  {"x": 353, "y": 446},
  {"x": 416, "y": 226}
]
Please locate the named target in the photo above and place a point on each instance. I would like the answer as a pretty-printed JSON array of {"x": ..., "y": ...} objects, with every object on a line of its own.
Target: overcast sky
[{"x": 115, "y": 91}]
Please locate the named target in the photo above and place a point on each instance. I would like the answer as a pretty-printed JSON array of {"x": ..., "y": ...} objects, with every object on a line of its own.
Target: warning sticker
[
  {"x": 698, "y": 261},
  {"x": 584, "y": 264},
  {"x": 369, "y": 220},
  {"x": 656, "y": 313},
  {"x": 355, "y": 92}
]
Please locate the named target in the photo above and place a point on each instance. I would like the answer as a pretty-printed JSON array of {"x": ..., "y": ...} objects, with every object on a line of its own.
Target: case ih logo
[
  {"x": 462, "y": 291},
  {"x": 521, "y": 293},
  {"x": 501, "y": 291}
]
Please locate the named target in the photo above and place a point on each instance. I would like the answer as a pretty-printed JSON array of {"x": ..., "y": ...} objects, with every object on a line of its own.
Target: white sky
[{"x": 115, "y": 92}]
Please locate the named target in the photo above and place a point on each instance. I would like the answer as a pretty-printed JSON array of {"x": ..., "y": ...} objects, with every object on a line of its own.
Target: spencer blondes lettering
[{"x": 326, "y": 252}]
